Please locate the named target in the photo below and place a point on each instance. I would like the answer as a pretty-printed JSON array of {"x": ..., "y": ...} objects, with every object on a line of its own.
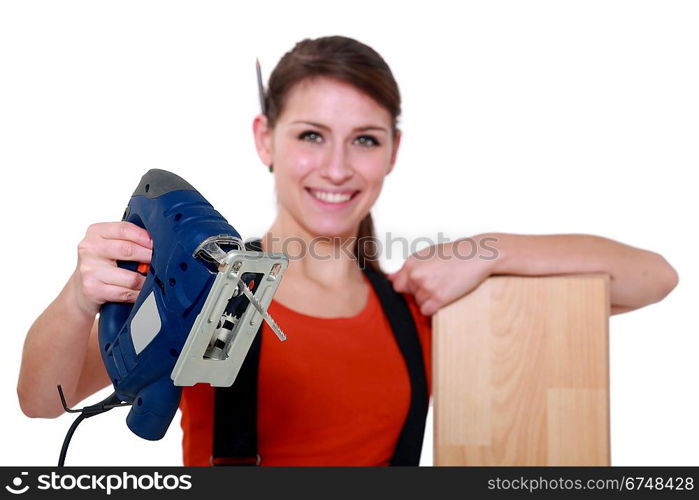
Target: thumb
[{"x": 398, "y": 281}]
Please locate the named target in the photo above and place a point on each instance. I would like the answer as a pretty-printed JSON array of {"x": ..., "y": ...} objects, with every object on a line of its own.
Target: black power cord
[{"x": 111, "y": 401}]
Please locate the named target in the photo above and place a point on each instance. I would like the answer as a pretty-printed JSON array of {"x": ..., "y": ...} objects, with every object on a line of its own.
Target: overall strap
[
  {"x": 235, "y": 407},
  {"x": 409, "y": 444}
]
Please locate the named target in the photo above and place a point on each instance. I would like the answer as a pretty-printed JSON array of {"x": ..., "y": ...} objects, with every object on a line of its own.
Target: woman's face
[{"x": 331, "y": 148}]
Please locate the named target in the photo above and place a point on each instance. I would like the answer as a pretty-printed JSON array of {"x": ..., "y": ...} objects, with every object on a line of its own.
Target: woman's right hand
[{"x": 97, "y": 277}]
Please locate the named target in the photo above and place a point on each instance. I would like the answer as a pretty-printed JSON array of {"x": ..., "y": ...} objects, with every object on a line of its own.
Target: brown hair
[{"x": 349, "y": 61}]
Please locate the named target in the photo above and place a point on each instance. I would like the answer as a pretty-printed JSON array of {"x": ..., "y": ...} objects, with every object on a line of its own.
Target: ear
[
  {"x": 263, "y": 139},
  {"x": 394, "y": 152}
]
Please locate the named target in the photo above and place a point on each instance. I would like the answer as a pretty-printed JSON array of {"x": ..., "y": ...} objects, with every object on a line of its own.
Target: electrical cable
[{"x": 111, "y": 401}]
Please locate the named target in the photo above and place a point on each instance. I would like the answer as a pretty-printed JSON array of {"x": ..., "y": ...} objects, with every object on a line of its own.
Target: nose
[{"x": 337, "y": 166}]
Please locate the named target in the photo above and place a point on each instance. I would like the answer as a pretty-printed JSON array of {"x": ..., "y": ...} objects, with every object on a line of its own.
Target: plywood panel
[{"x": 521, "y": 373}]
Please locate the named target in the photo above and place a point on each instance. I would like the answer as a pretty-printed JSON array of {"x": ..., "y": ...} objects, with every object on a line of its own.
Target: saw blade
[{"x": 273, "y": 324}]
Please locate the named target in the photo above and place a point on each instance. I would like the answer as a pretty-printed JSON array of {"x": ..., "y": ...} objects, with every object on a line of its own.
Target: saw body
[{"x": 198, "y": 311}]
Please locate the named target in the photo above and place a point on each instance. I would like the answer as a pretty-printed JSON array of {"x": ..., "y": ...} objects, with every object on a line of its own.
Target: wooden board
[{"x": 521, "y": 373}]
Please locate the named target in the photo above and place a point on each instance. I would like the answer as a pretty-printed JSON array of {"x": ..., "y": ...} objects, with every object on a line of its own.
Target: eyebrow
[{"x": 357, "y": 129}]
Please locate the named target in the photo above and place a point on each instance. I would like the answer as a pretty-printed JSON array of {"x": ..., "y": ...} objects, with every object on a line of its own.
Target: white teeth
[{"x": 331, "y": 197}]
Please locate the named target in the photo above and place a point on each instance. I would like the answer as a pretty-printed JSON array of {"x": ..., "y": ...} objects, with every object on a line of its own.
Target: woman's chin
[{"x": 332, "y": 230}]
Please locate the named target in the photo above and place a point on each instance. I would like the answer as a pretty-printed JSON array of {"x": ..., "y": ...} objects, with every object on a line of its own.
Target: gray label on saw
[{"x": 145, "y": 325}]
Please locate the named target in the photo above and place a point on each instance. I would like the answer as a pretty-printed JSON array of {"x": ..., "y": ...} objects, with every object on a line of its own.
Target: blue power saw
[{"x": 198, "y": 312}]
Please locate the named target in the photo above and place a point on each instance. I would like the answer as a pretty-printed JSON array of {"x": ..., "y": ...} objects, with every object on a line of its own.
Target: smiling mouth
[{"x": 332, "y": 198}]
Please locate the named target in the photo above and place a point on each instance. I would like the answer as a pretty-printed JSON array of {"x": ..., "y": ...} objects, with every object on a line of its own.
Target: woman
[{"x": 337, "y": 392}]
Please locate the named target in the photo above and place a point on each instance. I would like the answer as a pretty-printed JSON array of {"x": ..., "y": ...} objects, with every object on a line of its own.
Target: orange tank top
[{"x": 335, "y": 393}]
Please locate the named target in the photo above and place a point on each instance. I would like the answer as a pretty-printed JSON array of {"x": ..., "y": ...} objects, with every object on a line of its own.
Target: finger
[
  {"x": 400, "y": 283},
  {"x": 429, "y": 307},
  {"x": 425, "y": 301},
  {"x": 421, "y": 297},
  {"x": 392, "y": 276},
  {"x": 113, "y": 293},
  {"x": 124, "y": 250},
  {"x": 123, "y": 278},
  {"x": 124, "y": 231}
]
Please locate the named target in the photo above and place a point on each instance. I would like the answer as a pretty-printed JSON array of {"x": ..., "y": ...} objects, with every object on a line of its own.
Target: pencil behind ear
[
  {"x": 261, "y": 94},
  {"x": 260, "y": 88}
]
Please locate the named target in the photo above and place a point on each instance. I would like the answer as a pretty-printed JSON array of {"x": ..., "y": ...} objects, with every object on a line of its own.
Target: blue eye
[
  {"x": 311, "y": 136},
  {"x": 367, "y": 140}
]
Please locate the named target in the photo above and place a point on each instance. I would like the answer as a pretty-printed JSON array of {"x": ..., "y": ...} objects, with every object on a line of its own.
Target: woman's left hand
[{"x": 440, "y": 274}]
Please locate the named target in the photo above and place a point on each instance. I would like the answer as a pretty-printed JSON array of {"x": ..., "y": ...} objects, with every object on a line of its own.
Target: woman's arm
[
  {"x": 438, "y": 275},
  {"x": 61, "y": 346},
  {"x": 637, "y": 277}
]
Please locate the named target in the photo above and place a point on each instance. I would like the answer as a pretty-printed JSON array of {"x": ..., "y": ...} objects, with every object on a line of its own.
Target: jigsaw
[{"x": 198, "y": 312}]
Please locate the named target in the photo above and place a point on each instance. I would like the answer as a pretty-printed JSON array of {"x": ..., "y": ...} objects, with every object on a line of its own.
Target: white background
[{"x": 525, "y": 117}]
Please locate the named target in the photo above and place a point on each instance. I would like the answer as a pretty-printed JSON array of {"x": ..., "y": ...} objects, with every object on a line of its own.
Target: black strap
[
  {"x": 409, "y": 444},
  {"x": 235, "y": 410}
]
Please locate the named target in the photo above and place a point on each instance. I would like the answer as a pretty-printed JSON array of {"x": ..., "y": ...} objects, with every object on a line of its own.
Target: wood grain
[{"x": 521, "y": 373}]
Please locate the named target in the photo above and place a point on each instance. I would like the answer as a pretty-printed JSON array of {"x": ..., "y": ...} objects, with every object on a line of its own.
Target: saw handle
[{"x": 154, "y": 408}]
